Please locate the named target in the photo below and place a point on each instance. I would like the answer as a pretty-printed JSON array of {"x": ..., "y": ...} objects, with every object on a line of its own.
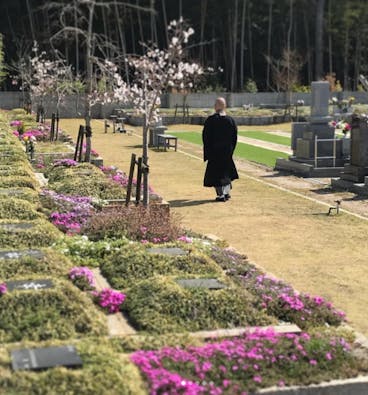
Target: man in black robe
[{"x": 219, "y": 136}]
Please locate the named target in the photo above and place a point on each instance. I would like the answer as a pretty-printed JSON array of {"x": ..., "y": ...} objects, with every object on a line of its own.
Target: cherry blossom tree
[{"x": 155, "y": 72}]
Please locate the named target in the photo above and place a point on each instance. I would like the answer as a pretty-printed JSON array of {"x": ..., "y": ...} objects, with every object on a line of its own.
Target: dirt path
[{"x": 279, "y": 222}]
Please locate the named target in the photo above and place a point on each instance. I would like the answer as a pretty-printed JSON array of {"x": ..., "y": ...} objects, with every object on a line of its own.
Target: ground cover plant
[
  {"x": 61, "y": 312},
  {"x": 18, "y": 209},
  {"x": 132, "y": 263},
  {"x": 104, "y": 371},
  {"x": 160, "y": 305},
  {"x": 242, "y": 365}
]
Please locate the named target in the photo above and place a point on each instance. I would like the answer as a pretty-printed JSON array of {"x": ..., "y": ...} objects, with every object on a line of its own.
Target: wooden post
[
  {"x": 139, "y": 181},
  {"x": 130, "y": 179},
  {"x": 79, "y": 146},
  {"x": 57, "y": 125},
  {"x": 52, "y": 130}
]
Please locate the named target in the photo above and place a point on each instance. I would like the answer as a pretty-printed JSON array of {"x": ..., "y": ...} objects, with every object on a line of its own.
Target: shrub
[
  {"x": 41, "y": 234},
  {"x": 132, "y": 263},
  {"x": 82, "y": 277},
  {"x": 160, "y": 305},
  {"x": 135, "y": 222},
  {"x": 27, "y": 194},
  {"x": 55, "y": 313},
  {"x": 11, "y": 208},
  {"x": 109, "y": 299},
  {"x": 55, "y": 172}
]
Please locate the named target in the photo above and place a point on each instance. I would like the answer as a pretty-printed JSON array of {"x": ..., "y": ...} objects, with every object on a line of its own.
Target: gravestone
[
  {"x": 44, "y": 358},
  {"x": 303, "y": 140},
  {"x": 208, "y": 283},
  {"x": 172, "y": 251},
  {"x": 16, "y": 227},
  {"x": 37, "y": 254},
  {"x": 355, "y": 174},
  {"x": 29, "y": 285}
]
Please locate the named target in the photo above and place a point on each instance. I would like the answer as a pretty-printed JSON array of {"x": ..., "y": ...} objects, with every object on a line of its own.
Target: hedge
[{"x": 13, "y": 208}]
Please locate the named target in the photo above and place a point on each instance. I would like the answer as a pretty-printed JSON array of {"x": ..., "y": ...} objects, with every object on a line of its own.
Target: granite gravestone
[
  {"x": 37, "y": 254},
  {"x": 29, "y": 285},
  {"x": 173, "y": 251},
  {"x": 208, "y": 283},
  {"x": 303, "y": 140},
  {"x": 44, "y": 358}
]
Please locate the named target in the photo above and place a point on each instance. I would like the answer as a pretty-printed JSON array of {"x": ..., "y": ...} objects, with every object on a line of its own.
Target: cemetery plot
[
  {"x": 206, "y": 283},
  {"x": 39, "y": 310},
  {"x": 160, "y": 305}
]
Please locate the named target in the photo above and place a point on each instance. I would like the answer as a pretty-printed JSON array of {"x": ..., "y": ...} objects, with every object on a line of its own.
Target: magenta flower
[
  {"x": 3, "y": 289},
  {"x": 82, "y": 277},
  {"x": 109, "y": 299}
]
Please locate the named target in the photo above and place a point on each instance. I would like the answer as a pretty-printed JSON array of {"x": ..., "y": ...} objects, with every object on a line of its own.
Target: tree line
[{"x": 259, "y": 44}]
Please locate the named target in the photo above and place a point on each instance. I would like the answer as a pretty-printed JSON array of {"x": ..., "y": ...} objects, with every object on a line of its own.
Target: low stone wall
[
  {"x": 171, "y": 120},
  {"x": 73, "y": 106}
]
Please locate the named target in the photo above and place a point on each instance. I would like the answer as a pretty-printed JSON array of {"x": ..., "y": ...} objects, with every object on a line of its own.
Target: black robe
[{"x": 219, "y": 136}]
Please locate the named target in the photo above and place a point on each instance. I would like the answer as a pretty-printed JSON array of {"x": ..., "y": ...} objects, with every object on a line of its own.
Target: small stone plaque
[
  {"x": 173, "y": 251},
  {"x": 44, "y": 358},
  {"x": 19, "y": 254},
  {"x": 29, "y": 285},
  {"x": 208, "y": 283},
  {"x": 16, "y": 227}
]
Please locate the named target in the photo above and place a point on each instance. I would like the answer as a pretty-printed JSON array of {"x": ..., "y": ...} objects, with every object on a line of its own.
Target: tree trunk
[
  {"x": 319, "y": 31},
  {"x": 330, "y": 59},
  {"x": 89, "y": 76},
  {"x": 242, "y": 37},
  {"x": 76, "y": 39},
  {"x": 309, "y": 51},
  {"x": 164, "y": 15},
  {"x": 250, "y": 43},
  {"x": 346, "y": 59},
  {"x": 269, "y": 43},
  {"x": 30, "y": 18},
  {"x": 235, "y": 39},
  {"x": 288, "y": 46},
  {"x": 203, "y": 23},
  {"x": 122, "y": 40}
]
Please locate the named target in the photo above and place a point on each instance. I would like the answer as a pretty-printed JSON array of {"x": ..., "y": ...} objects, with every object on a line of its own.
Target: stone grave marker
[
  {"x": 208, "y": 283},
  {"x": 29, "y": 285},
  {"x": 37, "y": 254},
  {"x": 173, "y": 251},
  {"x": 44, "y": 358},
  {"x": 16, "y": 227}
]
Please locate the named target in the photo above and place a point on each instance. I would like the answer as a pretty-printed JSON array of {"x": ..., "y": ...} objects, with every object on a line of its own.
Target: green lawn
[
  {"x": 265, "y": 136},
  {"x": 245, "y": 151}
]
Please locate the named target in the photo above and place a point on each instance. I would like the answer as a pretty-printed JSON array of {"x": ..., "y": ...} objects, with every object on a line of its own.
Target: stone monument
[
  {"x": 315, "y": 136},
  {"x": 355, "y": 174}
]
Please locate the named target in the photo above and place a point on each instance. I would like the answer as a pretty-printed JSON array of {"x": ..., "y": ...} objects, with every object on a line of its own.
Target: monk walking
[{"x": 220, "y": 135}]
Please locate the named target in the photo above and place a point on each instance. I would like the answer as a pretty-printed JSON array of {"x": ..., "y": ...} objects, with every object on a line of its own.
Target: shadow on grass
[{"x": 188, "y": 203}]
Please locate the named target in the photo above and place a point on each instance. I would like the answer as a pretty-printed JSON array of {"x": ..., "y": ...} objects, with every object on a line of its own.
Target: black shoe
[
  {"x": 227, "y": 196},
  {"x": 221, "y": 199}
]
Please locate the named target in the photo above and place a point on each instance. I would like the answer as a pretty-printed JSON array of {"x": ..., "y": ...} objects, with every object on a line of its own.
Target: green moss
[
  {"x": 160, "y": 305},
  {"x": 52, "y": 263},
  {"x": 104, "y": 372},
  {"x": 132, "y": 263},
  {"x": 42, "y": 234},
  {"x": 13, "y": 208},
  {"x": 61, "y": 312}
]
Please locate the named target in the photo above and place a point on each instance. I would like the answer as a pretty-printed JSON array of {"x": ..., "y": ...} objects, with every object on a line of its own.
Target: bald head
[{"x": 220, "y": 104}]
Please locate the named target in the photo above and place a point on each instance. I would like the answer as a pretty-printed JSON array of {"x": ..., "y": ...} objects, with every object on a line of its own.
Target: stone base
[
  {"x": 358, "y": 188},
  {"x": 97, "y": 161},
  {"x": 307, "y": 170}
]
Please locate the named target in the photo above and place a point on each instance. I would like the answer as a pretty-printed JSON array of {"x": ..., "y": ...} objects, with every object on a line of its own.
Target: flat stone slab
[
  {"x": 173, "y": 251},
  {"x": 208, "y": 283},
  {"x": 16, "y": 227},
  {"x": 234, "y": 332},
  {"x": 29, "y": 285},
  {"x": 20, "y": 254},
  {"x": 44, "y": 358}
]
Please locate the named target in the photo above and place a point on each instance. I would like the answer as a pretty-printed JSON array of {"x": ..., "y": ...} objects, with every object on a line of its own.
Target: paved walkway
[
  {"x": 265, "y": 144},
  {"x": 279, "y": 222}
]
